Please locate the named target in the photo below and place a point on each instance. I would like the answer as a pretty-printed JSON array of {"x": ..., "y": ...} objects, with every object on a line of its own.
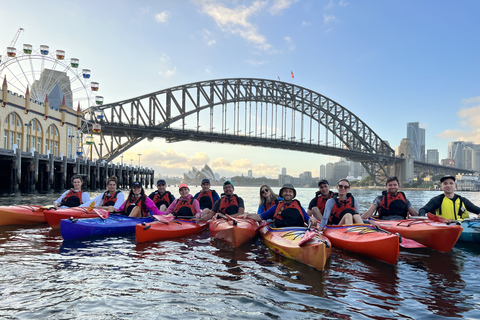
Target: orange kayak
[
  {"x": 164, "y": 230},
  {"x": 21, "y": 215},
  {"x": 54, "y": 216},
  {"x": 233, "y": 232},
  {"x": 366, "y": 240},
  {"x": 434, "y": 235},
  {"x": 284, "y": 241}
]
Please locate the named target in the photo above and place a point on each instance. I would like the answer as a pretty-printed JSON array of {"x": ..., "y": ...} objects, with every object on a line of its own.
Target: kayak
[
  {"x": 285, "y": 241},
  {"x": 115, "y": 224},
  {"x": 21, "y": 215},
  {"x": 233, "y": 231},
  {"x": 158, "y": 230},
  {"x": 471, "y": 230},
  {"x": 53, "y": 216},
  {"x": 434, "y": 235},
  {"x": 366, "y": 240}
]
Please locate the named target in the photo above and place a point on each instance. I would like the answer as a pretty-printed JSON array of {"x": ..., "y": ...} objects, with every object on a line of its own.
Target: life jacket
[
  {"x": 452, "y": 210},
  {"x": 393, "y": 205},
  {"x": 205, "y": 199},
  {"x": 341, "y": 207},
  {"x": 184, "y": 208},
  {"x": 228, "y": 205},
  {"x": 268, "y": 204},
  {"x": 322, "y": 200},
  {"x": 162, "y": 199},
  {"x": 288, "y": 215},
  {"x": 72, "y": 198},
  {"x": 109, "y": 200},
  {"x": 132, "y": 203}
]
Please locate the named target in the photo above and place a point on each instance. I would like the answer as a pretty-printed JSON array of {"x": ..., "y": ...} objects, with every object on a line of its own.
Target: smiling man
[
  {"x": 229, "y": 203},
  {"x": 449, "y": 205},
  {"x": 317, "y": 204}
]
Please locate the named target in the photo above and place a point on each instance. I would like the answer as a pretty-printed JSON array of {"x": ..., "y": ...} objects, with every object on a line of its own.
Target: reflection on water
[{"x": 196, "y": 277}]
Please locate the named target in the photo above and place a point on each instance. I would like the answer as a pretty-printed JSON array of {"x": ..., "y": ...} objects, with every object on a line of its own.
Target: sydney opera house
[{"x": 196, "y": 176}]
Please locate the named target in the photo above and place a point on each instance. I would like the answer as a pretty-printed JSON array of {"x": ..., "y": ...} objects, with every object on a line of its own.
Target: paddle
[
  {"x": 309, "y": 234},
  {"x": 403, "y": 242},
  {"x": 102, "y": 213},
  {"x": 436, "y": 218},
  {"x": 163, "y": 218}
]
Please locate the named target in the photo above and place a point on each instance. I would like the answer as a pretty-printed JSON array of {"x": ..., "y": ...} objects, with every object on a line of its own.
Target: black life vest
[
  {"x": 393, "y": 205},
  {"x": 322, "y": 200},
  {"x": 288, "y": 215},
  {"x": 162, "y": 199},
  {"x": 109, "y": 200},
  {"x": 184, "y": 208},
  {"x": 340, "y": 208},
  {"x": 72, "y": 198},
  {"x": 229, "y": 205},
  {"x": 205, "y": 199}
]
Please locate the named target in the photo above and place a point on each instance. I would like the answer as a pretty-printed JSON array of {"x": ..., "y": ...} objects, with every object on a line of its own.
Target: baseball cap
[
  {"x": 205, "y": 181},
  {"x": 183, "y": 185},
  {"x": 161, "y": 181},
  {"x": 227, "y": 182},
  {"x": 447, "y": 177},
  {"x": 323, "y": 181},
  {"x": 136, "y": 184}
]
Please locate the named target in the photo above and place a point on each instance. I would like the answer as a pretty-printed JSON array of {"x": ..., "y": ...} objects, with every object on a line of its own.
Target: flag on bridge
[{"x": 292, "y": 74}]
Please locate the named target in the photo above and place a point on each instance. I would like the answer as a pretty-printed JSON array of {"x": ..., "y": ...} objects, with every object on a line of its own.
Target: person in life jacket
[
  {"x": 111, "y": 199},
  {"x": 342, "y": 208},
  {"x": 185, "y": 206},
  {"x": 392, "y": 204},
  {"x": 207, "y": 197},
  {"x": 317, "y": 204},
  {"x": 288, "y": 212},
  {"x": 268, "y": 199},
  {"x": 229, "y": 203},
  {"x": 138, "y": 204},
  {"x": 162, "y": 198},
  {"x": 73, "y": 197},
  {"x": 450, "y": 205}
]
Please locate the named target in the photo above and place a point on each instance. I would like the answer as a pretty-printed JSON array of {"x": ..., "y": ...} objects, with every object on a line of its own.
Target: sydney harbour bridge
[{"x": 248, "y": 111}]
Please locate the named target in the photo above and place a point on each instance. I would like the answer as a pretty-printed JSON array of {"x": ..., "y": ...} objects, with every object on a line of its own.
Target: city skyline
[{"x": 369, "y": 67}]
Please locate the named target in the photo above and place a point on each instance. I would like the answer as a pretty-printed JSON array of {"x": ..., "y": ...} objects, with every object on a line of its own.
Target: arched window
[
  {"x": 52, "y": 141},
  {"x": 35, "y": 135},
  {"x": 13, "y": 131}
]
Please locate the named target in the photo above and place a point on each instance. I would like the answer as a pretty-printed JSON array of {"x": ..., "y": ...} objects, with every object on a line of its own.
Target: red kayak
[
  {"x": 158, "y": 230},
  {"x": 233, "y": 231},
  {"x": 21, "y": 215},
  {"x": 366, "y": 240},
  {"x": 54, "y": 216},
  {"x": 434, "y": 235}
]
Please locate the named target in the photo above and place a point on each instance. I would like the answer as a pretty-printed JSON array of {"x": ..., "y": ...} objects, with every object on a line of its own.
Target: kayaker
[
  {"x": 268, "y": 199},
  {"x": 186, "y": 205},
  {"x": 73, "y": 197},
  {"x": 111, "y": 199},
  {"x": 161, "y": 197},
  {"x": 392, "y": 204},
  {"x": 342, "y": 208},
  {"x": 207, "y": 197},
  {"x": 138, "y": 204},
  {"x": 317, "y": 204},
  {"x": 287, "y": 213},
  {"x": 449, "y": 205},
  {"x": 229, "y": 203}
]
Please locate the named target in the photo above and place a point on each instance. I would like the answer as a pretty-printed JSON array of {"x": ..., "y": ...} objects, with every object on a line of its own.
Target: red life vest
[
  {"x": 109, "y": 200},
  {"x": 288, "y": 215},
  {"x": 269, "y": 204},
  {"x": 72, "y": 198},
  {"x": 205, "y": 199},
  {"x": 322, "y": 201},
  {"x": 132, "y": 203},
  {"x": 340, "y": 208},
  {"x": 184, "y": 208},
  {"x": 229, "y": 205},
  {"x": 162, "y": 199},
  {"x": 393, "y": 205}
]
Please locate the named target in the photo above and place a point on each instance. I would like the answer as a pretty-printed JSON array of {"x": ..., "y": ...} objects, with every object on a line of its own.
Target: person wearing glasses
[
  {"x": 449, "y": 205},
  {"x": 287, "y": 213},
  {"x": 229, "y": 203},
  {"x": 342, "y": 208},
  {"x": 268, "y": 199},
  {"x": 392, "y": 204},
  {"x": 317, "y": 204}
]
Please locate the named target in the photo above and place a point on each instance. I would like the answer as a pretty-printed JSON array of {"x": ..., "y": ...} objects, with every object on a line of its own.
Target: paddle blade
[
  {"x": 102, "y": 213},
  {"x": 307, "y": 236},
  {"x": 409, "y": 243},
  {"x": 163, "y": 218},
  {"x": 436, "y": 218},
  {"x": 91, "y": 206}
]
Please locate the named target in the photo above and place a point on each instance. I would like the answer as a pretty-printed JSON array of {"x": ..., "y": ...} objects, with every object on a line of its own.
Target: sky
[{"x": 388, "y": 62}]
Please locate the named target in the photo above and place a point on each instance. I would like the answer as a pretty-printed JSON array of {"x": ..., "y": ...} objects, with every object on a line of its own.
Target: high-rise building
[
  {"x": 433, "y": 156},
  {"x": 455, "y": 153},
  {"x": 250, "y": 173},
  {"x": 417, "y": 136},
  {"x": 329, "y": 172},
  {"x": 322, "y": 172},
  {"x": 284, "y": 171}
]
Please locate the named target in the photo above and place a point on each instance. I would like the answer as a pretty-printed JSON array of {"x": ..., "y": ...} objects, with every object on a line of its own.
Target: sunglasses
[
  {"x": 342, "y": 186},
  {"x": 265, "y": 190}
]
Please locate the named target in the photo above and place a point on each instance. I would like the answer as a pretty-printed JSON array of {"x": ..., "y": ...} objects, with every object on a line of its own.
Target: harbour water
[{"x": 43, "y": 277}]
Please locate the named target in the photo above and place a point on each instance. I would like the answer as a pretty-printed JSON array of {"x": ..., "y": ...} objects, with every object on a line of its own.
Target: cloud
[
  {"x": 256, "y": 63},
  {"x": 162, "y": 17},
  {"x": 471, "y": 100},
  {"x": 289, "y": 41},
  {"x": 235, "y": 21},
  {"x": 343, "y": 3},
  {"x": 207, "y": 37},
  {"x": 305, "y": 23},
  {"x": 164, "y": 58},
  {"x": 328, "y": 19},
  {"x": 280, "y": 5},
  {"x": 469, "y": 122}
]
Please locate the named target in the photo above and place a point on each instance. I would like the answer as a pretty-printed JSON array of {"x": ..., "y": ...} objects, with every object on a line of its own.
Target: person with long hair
[
  {"x": 138, "y": 204},
  {"x": 268, "y": 199},
  {"x": 111, "y": 199},
  {"x": 342, "y": 208},
  {"x": 73, "y": 197}
]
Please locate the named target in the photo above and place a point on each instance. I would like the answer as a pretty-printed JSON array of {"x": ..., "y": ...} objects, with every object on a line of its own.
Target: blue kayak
[
  {"x": 114, "y": 225},
  {"x": 471, "y": 230}
]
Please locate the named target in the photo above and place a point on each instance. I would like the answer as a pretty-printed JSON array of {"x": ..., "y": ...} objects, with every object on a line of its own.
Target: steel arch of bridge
[{"x": 245, "y": 111}]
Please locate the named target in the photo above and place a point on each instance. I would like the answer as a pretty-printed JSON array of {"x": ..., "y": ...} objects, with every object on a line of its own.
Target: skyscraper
[{"x": 417, "y": 136}]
